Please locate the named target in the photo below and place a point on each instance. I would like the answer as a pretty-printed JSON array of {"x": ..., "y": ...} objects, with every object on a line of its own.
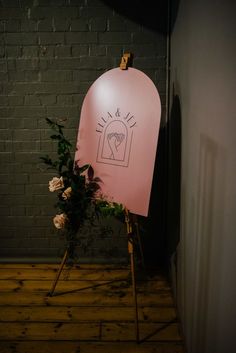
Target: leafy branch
[
  {"x": 77, "y": 188},
  {"x": 63, "y": 149}
]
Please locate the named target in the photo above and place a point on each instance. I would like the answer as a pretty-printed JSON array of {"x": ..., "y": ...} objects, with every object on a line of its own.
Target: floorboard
[{"x": 91, "y": 311}]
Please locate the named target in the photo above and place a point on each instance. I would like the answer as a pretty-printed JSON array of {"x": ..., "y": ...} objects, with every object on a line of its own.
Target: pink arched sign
[{"x": 118, "y": 134}]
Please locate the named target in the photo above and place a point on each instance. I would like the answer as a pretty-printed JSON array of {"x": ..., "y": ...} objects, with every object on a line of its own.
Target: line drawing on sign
[{"x": 114, "y": 142}]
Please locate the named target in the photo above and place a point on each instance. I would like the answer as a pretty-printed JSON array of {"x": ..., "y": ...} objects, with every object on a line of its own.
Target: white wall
[{"x": 203, "y": 66}]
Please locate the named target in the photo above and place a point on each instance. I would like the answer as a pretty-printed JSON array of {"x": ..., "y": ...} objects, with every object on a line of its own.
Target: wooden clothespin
[{"x": 126, "y": 61}]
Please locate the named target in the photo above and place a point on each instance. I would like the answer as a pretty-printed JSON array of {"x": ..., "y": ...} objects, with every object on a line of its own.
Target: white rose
[
  {"x": 56, "y": 184},
  {"x": 60, "y": 220},
  {"x": 67, "y": 193}
]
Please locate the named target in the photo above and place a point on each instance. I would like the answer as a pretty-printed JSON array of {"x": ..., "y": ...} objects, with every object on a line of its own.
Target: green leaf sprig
[{"x": 77, "y": 188}]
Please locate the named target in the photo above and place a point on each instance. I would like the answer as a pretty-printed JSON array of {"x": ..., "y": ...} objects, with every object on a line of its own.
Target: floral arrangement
[{"x": 78, "y": 190}]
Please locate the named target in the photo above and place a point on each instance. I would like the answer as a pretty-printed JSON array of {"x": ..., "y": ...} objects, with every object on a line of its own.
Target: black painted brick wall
[{"x": 51, "y": 52}]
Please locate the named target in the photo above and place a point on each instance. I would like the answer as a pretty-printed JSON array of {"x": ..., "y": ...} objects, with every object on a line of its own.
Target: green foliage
[
  {"x": 110, "y": 209},
  {"x": 77, "y": 188},
  {"x": 65, "y": 160}
]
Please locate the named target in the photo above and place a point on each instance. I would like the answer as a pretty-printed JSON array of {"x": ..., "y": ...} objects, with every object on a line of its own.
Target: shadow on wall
[
  {"x": 161, "y": 229},
  {"x": 153, "y": 227},
  {"x": 146, "y": 14},
  {"x": 173, "y": 177},
  {"x": 208, "y": 243}
]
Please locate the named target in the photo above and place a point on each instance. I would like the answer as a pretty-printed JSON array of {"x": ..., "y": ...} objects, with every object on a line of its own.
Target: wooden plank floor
[{"x": 91, "y": 311}]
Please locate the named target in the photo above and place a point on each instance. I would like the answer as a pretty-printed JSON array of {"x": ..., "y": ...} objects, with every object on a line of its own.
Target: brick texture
[{"x": 51, "y": 52}]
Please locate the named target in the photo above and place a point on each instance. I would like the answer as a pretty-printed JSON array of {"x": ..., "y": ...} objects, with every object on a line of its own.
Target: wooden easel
[
  {"x": 130, "y": 220},
  {"x": 130, "y": 235},
  {"x": 131, "y": 223}
]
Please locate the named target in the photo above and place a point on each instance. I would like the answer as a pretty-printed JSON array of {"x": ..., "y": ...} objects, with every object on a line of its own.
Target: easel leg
[
  {"x": 132, "y": 267},
  {"x": 58, "y": 273},
  {"x": 135, "y": 219}
]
